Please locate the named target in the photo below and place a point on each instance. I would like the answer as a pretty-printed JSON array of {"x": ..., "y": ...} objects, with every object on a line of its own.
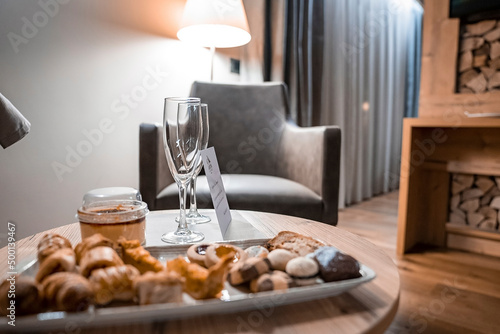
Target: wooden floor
[{"x": 442, "y": 291}]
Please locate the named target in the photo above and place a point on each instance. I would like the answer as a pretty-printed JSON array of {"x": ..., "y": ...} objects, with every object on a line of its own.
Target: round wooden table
[{"x": 368, "y": 308}]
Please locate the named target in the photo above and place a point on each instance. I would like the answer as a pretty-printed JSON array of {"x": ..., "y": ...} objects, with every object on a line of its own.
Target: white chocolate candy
[
  {"x": 302, "y": 267},
  {"x": 279, "y": 258}
]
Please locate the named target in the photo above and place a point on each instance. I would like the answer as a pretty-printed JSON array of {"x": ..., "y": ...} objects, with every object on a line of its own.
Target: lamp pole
[{"x": 212, "y": 55}]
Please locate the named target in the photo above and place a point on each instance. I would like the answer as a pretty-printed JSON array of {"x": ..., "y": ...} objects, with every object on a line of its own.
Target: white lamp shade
[{"x": 214, "y": 23}]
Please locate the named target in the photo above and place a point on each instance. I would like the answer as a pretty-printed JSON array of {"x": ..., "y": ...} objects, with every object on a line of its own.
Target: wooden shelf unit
[{"x": 432, "y": 148}]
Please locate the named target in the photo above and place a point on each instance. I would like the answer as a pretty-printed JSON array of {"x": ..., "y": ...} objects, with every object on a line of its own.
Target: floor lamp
[{"x": 214, "y": 24}]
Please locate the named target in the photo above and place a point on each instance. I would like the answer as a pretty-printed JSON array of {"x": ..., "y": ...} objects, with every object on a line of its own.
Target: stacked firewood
[
  {"x": 479, "y": 59},
  {"x": 475, "y": 201}
]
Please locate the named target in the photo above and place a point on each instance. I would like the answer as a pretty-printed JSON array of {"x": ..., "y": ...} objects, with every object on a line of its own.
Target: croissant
[
  {"x": 99, "y": 257},
  {"x": 69, "y": 292},
  {"x": 161, "y": 287},
  {"x": 28, "y": 299},
  {"x": 133, "y": 253},
  {"x": 61, "y": 260},
  {"x": 93, "y": 241},
  {"x": 50, "y": 243},
  {"x": 113, "y": 283},
  {"x": 202, "y": 283}
]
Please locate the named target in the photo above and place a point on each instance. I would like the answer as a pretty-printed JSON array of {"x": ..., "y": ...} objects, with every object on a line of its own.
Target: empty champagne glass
[
  {"x": 182, "y": 132},
  {"x": 193, "y": 216}
]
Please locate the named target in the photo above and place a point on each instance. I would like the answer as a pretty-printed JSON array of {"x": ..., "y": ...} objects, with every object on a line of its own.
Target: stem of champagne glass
[
  {"x": 182, "y": 228},
  {"x": 192, "y": 194}
]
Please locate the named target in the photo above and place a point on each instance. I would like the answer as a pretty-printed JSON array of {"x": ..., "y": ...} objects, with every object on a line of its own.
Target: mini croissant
[
  {"x": 69, "y": 292},
  {"x": 61, "y": 260},
  {"x": 99, "y": 257},
  {"x": 51, "y": 243},
  {"x": 93, "y": 241},
  {"x": 114, "y": 283}
]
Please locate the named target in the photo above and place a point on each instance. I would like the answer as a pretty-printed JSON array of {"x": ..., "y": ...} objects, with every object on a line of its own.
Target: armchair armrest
[
  {"x": 154, "y": 174},
  {"x": 311, "y": 157}
]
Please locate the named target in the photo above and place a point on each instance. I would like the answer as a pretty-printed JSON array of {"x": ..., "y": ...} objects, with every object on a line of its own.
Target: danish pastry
[
  {"x": 113, "y": 283},
  {"x": 197, "y": 253},
  {"x": 216, "y": 251},
  {"x": 201, "y": 283},
  {"x": 161, "y": 287},
  {"x": 99, "y": 257},
  {"x": 133, "y": 253}
]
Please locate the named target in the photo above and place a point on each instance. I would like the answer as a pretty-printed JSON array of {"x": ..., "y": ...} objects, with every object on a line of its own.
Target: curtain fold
[
  {"x": 303, "y": 58},
  {"x": 356, "y": 64}
]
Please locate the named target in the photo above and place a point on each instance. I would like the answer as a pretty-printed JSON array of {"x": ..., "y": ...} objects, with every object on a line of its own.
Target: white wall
[{"x": 69, "y": 77}]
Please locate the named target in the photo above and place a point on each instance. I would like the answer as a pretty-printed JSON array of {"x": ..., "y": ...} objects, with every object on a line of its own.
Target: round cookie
[
  {"x": 256, "y": 251},
  {"x": 279, "y": 258},
  {"x": 197, "y": 253},
  {"x": 335, "y": 265},
  {"x": 302, "y": 267},
  {"x": 248, "y": 269},
  {"x": 216, "y": 251},
  {"x": 274, "y": 280}
]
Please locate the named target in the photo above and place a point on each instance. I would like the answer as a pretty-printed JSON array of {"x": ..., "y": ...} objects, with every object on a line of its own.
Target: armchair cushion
[{"x": 253, "y": 192}]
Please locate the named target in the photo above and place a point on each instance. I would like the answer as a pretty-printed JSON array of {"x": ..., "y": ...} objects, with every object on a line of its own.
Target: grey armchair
[{"x": 268, "y": 164}]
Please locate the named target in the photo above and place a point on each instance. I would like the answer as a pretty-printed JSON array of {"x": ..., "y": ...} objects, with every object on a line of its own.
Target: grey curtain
[
  {"x": 303, "y": 58},
  {"x": 356, "y": 64}
]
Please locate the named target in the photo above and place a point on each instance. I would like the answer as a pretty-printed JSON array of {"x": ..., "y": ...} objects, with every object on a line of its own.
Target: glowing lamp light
[{"x": 214, "y": 24}]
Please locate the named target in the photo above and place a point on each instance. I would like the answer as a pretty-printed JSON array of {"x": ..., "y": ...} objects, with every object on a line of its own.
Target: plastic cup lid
[{"x": 111, "y": 194}]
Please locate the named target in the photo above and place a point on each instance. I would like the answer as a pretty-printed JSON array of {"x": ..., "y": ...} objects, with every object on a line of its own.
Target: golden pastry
[
  {"x": 157, "y": 288},
  {"x": 28, "y": 295},
  {"x": 113, "y": 283},
  {"x": 197, "y": 253},
  {"x": 93, "y": 241},
  {"x": 202, "y": 283},
  {"x": 50, "y": 243},
  {"x": 99, "y": 257},
  {"x": 296, "y": 243},
  {"x": 216, "y": 251},
  {"x": 133, "y": 253},
  {"x": 69, "y": 292},
  {"x": 61, "y": 260}
]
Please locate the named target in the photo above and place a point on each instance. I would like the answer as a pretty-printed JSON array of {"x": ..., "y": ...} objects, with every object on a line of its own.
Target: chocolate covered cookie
[{"x": 335, "y": 265}]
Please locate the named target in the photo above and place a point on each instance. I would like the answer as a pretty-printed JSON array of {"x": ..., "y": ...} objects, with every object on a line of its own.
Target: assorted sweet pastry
[
  {"x": 100, "y": 272},
  {"x": 292, "y": 260}
]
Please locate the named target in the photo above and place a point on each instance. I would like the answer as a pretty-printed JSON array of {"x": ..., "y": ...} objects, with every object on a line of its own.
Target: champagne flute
[
  {"x": 193, "y": 216},
  {"x": 182, "y": 132}
]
